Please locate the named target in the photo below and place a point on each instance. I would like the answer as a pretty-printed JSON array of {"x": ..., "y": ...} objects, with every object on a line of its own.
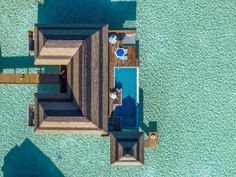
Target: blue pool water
[{"x": 126, "y": 79}]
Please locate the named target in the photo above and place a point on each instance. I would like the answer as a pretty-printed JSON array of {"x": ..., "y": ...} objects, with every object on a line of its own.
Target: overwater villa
[
  {"x": 99, "y": 86},
  {"x": 84, "y": 106}
]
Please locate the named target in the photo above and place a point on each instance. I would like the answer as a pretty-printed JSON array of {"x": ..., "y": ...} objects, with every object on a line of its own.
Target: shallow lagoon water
[{"x": 187, "y": 79}]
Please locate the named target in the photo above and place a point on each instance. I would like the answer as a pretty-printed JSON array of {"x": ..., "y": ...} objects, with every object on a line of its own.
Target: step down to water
[{"x": 31, "y": 120}]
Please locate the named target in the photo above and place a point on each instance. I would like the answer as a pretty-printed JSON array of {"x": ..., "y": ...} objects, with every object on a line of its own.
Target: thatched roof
[
  {"x": 127, "y": 148},
  {"x": 84, "y": 49}
]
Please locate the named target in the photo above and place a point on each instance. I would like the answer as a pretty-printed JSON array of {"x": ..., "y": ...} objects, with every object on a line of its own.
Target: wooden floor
[
  {"x": 29, "y": 79},
  {"x": 115, "y": 62}
]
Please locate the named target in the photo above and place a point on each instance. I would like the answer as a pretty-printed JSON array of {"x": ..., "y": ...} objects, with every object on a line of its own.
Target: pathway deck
[{"x": 29, "y": 79}]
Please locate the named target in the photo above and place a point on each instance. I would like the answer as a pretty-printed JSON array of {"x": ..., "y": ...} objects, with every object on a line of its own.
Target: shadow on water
[
  {"x": 0, "y": 60},
  {"x": 25, "y": 64},
  {"x": 16, "y": 62},
  {"x": 28, "y": 160},
  {"x": 46, "y": 88},
  {"x": 109, "y": 12},
  {"x": 152, "y": 125}
]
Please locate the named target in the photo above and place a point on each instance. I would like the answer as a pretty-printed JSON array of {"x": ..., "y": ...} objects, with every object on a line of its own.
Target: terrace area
[{"x": 120, "y": 68}]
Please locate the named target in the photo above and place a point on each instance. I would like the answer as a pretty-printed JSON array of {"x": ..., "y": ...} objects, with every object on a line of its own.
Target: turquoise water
[
  {"x": 126, "y": 79},
  {"x": 187, "y": 87}
]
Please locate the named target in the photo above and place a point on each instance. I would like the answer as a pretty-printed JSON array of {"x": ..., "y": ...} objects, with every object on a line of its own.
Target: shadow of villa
[
  {"x": 27, "y": 160},
  {"x": 23, "y": 62},
  {"x": 13, "y": 63},
  {"x": 152, "y": 125},
  {"x": 109, "y": 12},
  {"x": 127, "y": 113}
]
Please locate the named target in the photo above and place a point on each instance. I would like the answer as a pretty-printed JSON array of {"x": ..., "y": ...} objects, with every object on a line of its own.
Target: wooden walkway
[
  {"x": 29, "y": 79},
  {"x": 115, "y": 62}
]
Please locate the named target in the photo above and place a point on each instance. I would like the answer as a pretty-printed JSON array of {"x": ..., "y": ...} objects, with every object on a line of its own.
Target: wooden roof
[
  {"x": 84, "y": 49},
  {"x": 127, "y": 148}
]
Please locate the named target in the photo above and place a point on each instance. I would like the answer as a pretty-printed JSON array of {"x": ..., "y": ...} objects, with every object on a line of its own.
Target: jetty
[{"x": 29, "y": 79}]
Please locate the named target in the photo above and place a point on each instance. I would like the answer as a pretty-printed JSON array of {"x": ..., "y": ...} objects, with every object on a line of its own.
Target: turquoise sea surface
[{"x": 187, "y": 51}]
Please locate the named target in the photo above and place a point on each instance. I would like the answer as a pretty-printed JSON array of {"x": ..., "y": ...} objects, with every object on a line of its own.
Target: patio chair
[{"x": 129, "y": 39}]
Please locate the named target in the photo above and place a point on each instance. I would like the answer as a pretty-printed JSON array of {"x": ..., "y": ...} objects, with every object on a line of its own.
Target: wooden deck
[
  {"x": 152, "y": 141},
  {"x": 115, "y": 62},
  {"x": 29, "y": 79},
  {"x": 122, "y": 31}
]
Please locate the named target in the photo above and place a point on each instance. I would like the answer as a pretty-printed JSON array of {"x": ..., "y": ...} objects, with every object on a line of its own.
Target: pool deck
[{"x": 132, "y": 61}]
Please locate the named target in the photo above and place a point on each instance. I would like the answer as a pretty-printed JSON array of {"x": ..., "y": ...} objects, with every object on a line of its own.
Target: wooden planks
[
  {"x": 29, "y": 79},
  {"x": 123, "y": 31}
]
